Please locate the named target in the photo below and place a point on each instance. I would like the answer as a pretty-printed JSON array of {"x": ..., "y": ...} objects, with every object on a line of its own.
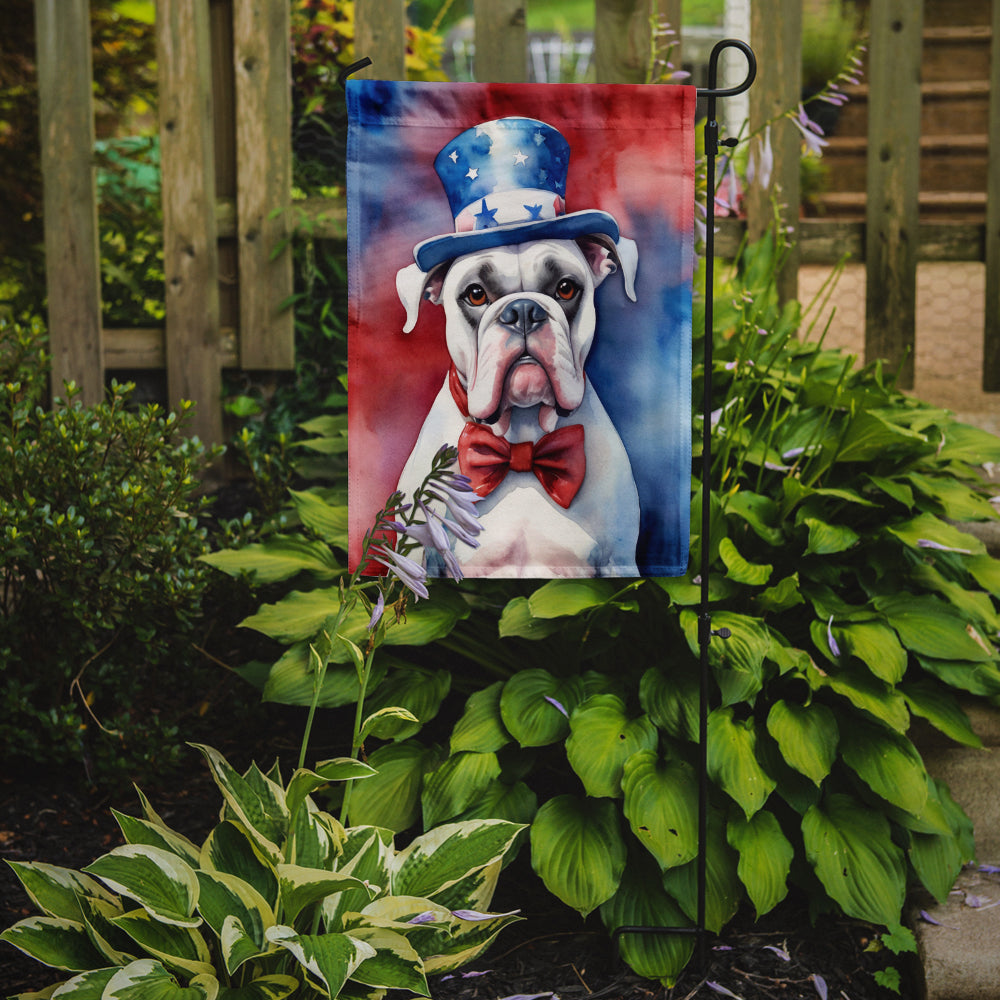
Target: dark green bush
[{"x": 100, "y": 587}]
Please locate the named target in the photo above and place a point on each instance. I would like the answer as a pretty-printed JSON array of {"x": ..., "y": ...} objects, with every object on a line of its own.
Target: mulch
[{"x": 58, "y": 820}]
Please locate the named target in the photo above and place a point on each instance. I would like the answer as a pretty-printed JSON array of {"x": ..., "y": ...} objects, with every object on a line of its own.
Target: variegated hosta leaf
[
  {"x": 256, "y": 801},
  {"x": 578, "y": 851},
  {"x": 395, "y": 964},
  {"x": 466, "y": 941},
  {"x": 116, "y": 947},
  {"x": 149, "y": 980},
  {"x": 367, "y": 854},
  {"x": 54, "y": 941},
  {"x": 391, "y": 799},
  {"x": 535, "y": 706},
  {"x": 87, "y": 986},
  {"x": 141, "y": 831},
  {"x": 723, "y": 889},
  {"x": 807, "y": 736},
  {"x": 315, "y": 838},
  {"x": 304, "y": 782},
  {"x": 177, "y": 947},
  {"x": 441, "y": 857},
  {"x": 301, "y": 887},
  {"x": 732, "y": 760},
  {"x": 329, "y": 959},
  {"x": 230, "y": 849},
  {"x": 888, "y": 763},
  {"x": 850, "y": 847},
  {"x": 225, "y": 897},
  {"x": 765, "y": 858},
  {"x": 642, "y": 902},
  {"x": 661, "y": 805},
  {"x": 274, "y": 987},
  {"x": 602, "y": 737},
  {"x": 56, "y": 891},
  {"x": 481, "y": 727},
  {"x": 158, "y": 880},
  {"x": 475, "y": 891},
  {"x": 456, "y": 784}
]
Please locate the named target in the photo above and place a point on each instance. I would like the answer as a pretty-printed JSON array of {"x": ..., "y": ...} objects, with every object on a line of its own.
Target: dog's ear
[
  {"x": 605, "y": 256},
  {"x": 414, "y": 285}
]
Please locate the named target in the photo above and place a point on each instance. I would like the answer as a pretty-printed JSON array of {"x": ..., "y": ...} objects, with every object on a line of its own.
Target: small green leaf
[
  {"x": 732, "y": 760},
  {"x": 671, "y": 700},
  {"x": 559, "y": 598},
  {"x": 739, "y": 569},
  {"x": 807, "y": 736},
  {"x": 888, "y": 763},
  {"x": 456, "y": 784},
  {"x": 327, "y": 520},
  {"x": 828, "y": 539},
  {"x": 765, "y": 858},
  {"x": 279, "y": 558},
  {"x": 481, "y": 727}
]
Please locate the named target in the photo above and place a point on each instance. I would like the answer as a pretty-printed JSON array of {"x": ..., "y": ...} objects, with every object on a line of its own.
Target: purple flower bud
[
  {"x": 820, "y": 983},
  {"x": 377, "y": 612},
  {"x": 411, "y": 574},
  {"x": 558, "y": 705},
  {"x": 427, "y": 917},
  {"x": 834, "y": 648}
]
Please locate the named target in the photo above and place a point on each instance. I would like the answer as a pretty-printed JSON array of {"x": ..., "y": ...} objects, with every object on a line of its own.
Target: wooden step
[
  {"x": 956, "y": 53},
  {"x": 958, "y": 206},
  {"x": 945, "y": 12}
]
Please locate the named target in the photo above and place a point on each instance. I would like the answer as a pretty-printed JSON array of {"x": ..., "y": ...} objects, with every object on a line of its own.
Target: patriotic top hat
[{"x": 506, "y": 184}]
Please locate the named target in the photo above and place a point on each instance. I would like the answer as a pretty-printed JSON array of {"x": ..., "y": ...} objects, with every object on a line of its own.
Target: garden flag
[{"x": 520, "y": 266}]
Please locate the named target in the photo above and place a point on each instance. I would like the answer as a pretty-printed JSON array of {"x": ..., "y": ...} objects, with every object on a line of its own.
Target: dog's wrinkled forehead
[{"x": 532, "y": 267}]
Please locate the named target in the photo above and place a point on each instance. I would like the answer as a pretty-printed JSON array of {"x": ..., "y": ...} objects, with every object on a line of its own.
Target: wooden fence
[{"x": 226, "y": 161}]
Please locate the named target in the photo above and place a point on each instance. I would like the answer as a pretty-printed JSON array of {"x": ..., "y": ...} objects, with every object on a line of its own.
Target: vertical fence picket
[
  {"x": 72, "y": 257},
  {"x": 190, "y": 253},
  {"x": 262, "y": 63},
  {"x": 892, "y": 214},
  {"x": 776, "y": 34},
  {"x": 621, "y": 40},
  {"x": 380, "y": 34},
  {"x": 991, "y": 332},
  {"x": 501, "y": 41}
]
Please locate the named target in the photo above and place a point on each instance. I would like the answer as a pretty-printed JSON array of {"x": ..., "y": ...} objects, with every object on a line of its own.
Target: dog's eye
[
  {"x": 475, "y": 295},
  {"x": 567, "y": 289}
]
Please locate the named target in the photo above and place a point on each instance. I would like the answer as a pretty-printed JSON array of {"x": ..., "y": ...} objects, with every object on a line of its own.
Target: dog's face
[{"x": 520, "y": 322}]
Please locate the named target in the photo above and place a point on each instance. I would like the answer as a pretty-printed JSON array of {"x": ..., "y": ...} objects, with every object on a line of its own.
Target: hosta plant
[{"x": 279, "y": 900}]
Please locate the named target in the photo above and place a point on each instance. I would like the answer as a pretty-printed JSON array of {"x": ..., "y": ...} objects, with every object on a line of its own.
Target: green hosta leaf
[
  {"x": 739, "y": 569},
  {"x": 54, "y": 941},
  {"x": 976, "y": 678},
  {"x": 559, "y": 598},
  {"x": 941, "y": 709},
  {"x": 535, "y": 706},
  {"x": 931, "y": 628},
  {"x": 279, "y": 558},
  {"x": 850, "y": 847},
  {"x": 641, "y": 901},
  {"x": 578, "y": 851},
  {"x": 807, "y": 736},
  {"x": 671, "y": 699},
  {"x": 147, "y": 979},
  {"x": 965, "y": 443},
  {"x": 888, "y": 763},
  {"x": 391, "y": 798},
  {"x": 141, "y": 831},
  {"x": 928, "y": 528},
  {"x": 732, "y": 760},
  {"x": 395, "y": 964},
  {"x": 301, "y": 887},
  {"x": 828, "y": 539},
  {"x": 225, "y": 897},
  {"x": 723, "y": 889},
  {"x": 292, "y": 680},
  {"x": 56, "y": 891},
  {"x": 893, "y": 488},
  {"x": 231, "y": 850},
  {"x": 415, "y": 689},
  {"x": 330, "y": 959},
  {"x": 275, "y": 987},
  {"x": 869, "y": 436},
  {"x": 876, "y": 646},
  {"x": 758, "y": 511},
  {"x": 986, "y": 571},
  {"x": 516, "y": 803},
  {"x": 738, "y": 661},
  {"x": 438, "y": 859},
  {"x": 975, "y": 605},
  {"x": 481, "y": 728},
  {"x": 765, "y": 858},
  {"x": 180, "y": 948},
  {"x": 683, "y": 591},
  {"x": 661, "y": 800},
  {"x": 937, "y": 860},
  {"x": 864, "y": 691},
  {"x": 260, "y": 809},
  {"x": 957, "y": 501},
  {"x": 98, "y": 916},
  {"x": 87, "y": 986},
  {"x": 327, "y": 520},
  {"x": 456, "y": 784},
  {"x": 783, "y": 595},
  {"x": 602, "y": 738},
  {"x": 159, "y": 881},
  {"x": 386, "y": 723},
  {"x": 517, "y": 620}
]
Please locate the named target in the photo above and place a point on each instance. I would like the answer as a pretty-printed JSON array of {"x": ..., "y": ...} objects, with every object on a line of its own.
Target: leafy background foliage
[{"x": 855, "y": 605}]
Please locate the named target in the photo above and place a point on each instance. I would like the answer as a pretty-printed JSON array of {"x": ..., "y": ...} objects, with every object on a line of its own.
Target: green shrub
[
  {"x": 101, "y": 587},
  {"x": 279, "y": 900}
]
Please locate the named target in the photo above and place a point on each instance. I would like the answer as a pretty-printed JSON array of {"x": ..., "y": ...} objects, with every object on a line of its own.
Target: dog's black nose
[{"x": 524, "y": 315}]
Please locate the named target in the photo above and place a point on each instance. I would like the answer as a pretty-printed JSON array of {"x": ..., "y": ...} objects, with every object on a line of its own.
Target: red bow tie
[{"x": 557, "y": 459}]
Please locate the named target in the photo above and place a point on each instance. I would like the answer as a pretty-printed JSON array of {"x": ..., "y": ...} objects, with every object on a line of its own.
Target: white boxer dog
[{"x": 556, "y": 487}]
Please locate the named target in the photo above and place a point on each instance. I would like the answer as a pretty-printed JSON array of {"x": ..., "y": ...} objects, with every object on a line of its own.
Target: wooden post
[
  {"x": 380, "y": 34},
  {"x": 501, "y": 41},
  {"x": 991, "y": 333},
  {"x": 72, "y": 255},
  {"x": 776, "y": 35},
  {"x": 893, "y": 184},
  {"x": 262, "y": 61},
  {"x": 190, "y": 254},
  {"x": 622, "y": 40}
]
